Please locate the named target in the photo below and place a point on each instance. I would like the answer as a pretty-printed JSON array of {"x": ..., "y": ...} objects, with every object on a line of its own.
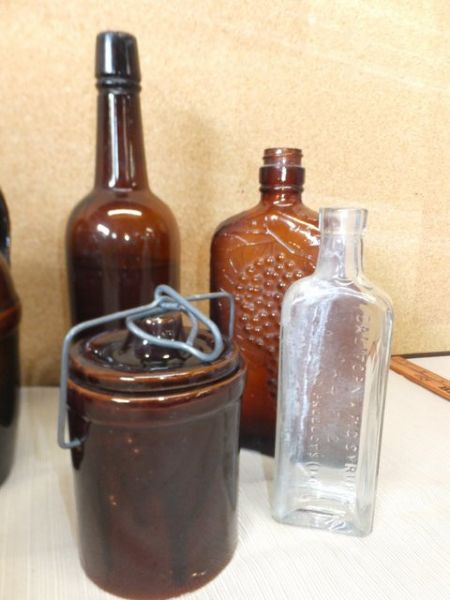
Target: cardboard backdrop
[{"x": 362, "y": 87}]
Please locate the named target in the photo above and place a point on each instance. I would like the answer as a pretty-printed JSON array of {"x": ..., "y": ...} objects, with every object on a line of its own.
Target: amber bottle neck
[
  {"x": 120, "y": 160},
  {"x": 281, "y": 198},
  {"x": 281, "y": 176}
]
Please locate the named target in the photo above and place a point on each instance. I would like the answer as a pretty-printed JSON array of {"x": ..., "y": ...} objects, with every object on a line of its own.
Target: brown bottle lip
[
  {"x": 117, "y": 61},
  {"x": 281, "y": 170},
  {"x": 283, "y": 156}
]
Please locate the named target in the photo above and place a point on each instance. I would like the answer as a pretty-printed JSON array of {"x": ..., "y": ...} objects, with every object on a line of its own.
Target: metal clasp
[{"x": 166, "y": 300}]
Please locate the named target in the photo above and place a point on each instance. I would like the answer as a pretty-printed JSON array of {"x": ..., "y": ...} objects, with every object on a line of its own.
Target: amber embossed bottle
[
  {"x": 256, "y": 255},
  {"x": 121, "y": 240}
]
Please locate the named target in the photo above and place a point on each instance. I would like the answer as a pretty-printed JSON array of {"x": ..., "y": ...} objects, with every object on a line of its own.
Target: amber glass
[
  {"x": 256, "y": 255},
  {"x": 5, "y": 240},
  {"x": 122, "y": 240},
  {"x": 9, "y": 368}
]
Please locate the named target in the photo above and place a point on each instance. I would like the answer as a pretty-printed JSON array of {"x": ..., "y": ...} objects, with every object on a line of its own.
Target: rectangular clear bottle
[{"x": 334, "y": 359}]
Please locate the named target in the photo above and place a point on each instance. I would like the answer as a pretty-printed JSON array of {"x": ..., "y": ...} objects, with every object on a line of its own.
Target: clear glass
[{"x": 335, "y": 346}]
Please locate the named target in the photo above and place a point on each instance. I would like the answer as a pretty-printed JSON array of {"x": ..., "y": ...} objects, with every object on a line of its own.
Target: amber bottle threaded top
[
  {"x": 283, "y": 156},
  {"x": 282, "y": 170}
]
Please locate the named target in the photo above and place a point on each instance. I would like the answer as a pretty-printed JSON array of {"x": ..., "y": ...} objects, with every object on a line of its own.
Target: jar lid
[
  {"x": 119, "y": 361},
  {"x": 153, "y": 358}
]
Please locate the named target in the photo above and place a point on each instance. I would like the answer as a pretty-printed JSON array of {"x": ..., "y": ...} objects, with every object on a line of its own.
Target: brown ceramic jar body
[
  {"x": 9, "y": 368},
  {"x": 155, "y": 479},
  {"x": 256, "y": 255},
  {"x": 121, "y": 240}
]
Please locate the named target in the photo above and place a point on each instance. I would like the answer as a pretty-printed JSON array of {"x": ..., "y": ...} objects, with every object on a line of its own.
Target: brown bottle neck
[
  {"x": 281, "y": 197},
  {"x": 120, "y": 159},
  {"x": 281, "y": 184}
]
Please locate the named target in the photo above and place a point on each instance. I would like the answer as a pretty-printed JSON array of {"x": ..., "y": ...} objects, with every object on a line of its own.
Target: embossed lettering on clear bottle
[
  {"x": 334, "y": 359},
  {"x": 256, "y": 255}
]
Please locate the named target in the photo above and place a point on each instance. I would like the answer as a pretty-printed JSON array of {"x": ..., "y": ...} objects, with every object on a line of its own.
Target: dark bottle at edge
[
  {"x": 5, "y": 239},
  {"x": 10, "y": 313}
]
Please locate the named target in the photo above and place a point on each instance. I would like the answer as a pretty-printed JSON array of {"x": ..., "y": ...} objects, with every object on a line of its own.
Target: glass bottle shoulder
[
  {"x": 113, "y": 210},
  {"x": 236, "y": 223},
  {"x": 262, "y": 213},
  {"x": 315, "y": 291},
  {"x": 276, "y": 223}
]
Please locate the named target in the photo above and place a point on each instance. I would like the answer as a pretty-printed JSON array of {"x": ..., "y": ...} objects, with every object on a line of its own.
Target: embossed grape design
[{"x": 259, "y": 292}]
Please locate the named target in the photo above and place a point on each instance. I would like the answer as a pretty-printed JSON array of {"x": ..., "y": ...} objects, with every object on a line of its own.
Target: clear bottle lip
[{"x": 343, "y": 220}]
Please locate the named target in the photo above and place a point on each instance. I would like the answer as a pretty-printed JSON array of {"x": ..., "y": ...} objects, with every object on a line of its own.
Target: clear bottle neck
[
  {"x": 120, "y": 159},
  {"x": 341, "y": 243}
]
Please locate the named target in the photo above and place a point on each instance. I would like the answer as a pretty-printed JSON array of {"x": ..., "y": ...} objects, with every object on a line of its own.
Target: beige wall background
[{"x": 362, "y": 86}]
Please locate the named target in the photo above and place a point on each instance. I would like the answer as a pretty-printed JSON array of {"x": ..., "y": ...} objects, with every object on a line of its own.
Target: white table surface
[
  {"x": 406, "y": 557},
  {"x": 438, "y": 364}
]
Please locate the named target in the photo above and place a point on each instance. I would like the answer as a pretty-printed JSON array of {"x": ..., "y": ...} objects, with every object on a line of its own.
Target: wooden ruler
[{"x": 427, "y": 379}]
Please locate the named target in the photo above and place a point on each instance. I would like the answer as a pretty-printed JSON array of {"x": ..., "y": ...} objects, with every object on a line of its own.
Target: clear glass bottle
[{"x": 335, "y": 347}]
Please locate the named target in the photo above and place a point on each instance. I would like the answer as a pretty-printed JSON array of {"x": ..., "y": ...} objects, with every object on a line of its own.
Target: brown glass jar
[
  {"x": 156, "y": 472},
  {"x": 9, "y": 367},
  {"x": 255, "y": 256},
  {"x": 121, "y": 240}
]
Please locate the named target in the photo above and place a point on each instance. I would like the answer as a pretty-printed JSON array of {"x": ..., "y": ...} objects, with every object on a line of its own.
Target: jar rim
[{"x": 87, "y": 370}]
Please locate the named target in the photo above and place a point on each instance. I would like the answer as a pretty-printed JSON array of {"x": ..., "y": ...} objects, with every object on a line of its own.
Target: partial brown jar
[
  {"x": 256, "y": 255},
  {"x": 155, "y": 460},
  {"x": 9, "y": 368},
  {"x": 121, "y": 240}
]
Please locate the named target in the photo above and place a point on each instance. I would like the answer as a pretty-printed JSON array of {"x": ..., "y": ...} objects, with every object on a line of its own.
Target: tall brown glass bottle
[
  {"x": 121, "y": 241},
  {"x": 256, "y": 255}
]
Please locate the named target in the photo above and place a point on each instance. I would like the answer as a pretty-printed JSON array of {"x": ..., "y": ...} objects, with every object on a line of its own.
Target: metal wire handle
[{"x": 166, "y": 300}]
